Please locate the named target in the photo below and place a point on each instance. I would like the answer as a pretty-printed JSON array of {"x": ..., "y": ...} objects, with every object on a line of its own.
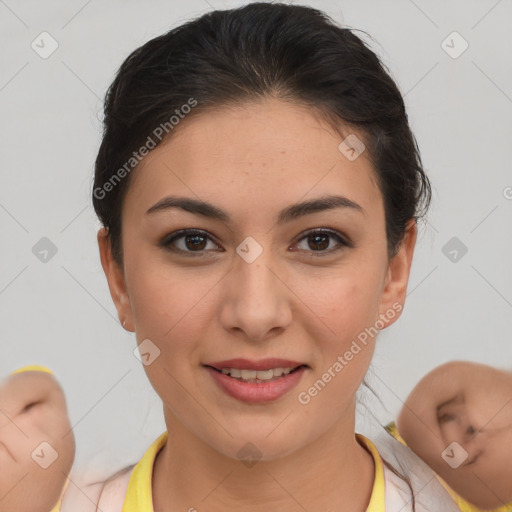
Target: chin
[{"x": 257, "y": 449}]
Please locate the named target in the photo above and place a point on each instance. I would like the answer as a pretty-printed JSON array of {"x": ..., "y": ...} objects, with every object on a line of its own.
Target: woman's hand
[{"x": 37, "y": 445}]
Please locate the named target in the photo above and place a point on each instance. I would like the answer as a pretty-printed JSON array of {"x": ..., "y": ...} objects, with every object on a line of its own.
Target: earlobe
[
  {"x": 115, "y": 278},
  {"x": 397, "y": 277}
]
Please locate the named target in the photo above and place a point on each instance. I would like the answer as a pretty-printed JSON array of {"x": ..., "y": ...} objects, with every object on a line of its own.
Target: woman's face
[{"x": 253, "y": 283}]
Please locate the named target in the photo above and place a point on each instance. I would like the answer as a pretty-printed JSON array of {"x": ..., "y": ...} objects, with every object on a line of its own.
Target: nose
[{"x": 256, "y": 301}]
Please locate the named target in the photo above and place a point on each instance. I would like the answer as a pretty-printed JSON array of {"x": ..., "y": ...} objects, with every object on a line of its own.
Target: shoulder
[
  {"x": 408, "y": 478},
  {"x": 398, "y": 493},
  {"x": 101, "y": 490},
  {"x": 106, "y": 495},
  {"x": 113, "y": 491}
]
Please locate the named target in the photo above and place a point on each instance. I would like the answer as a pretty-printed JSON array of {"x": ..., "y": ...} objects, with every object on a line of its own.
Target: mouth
[
  {"x": 263, "y": 370},
  {"x": 256, "y": 381},
  {"x": 257, "y": 376}
]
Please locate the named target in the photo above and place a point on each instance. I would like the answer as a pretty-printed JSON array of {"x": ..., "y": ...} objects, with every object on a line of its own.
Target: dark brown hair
[{"x": 291, "y": 52}]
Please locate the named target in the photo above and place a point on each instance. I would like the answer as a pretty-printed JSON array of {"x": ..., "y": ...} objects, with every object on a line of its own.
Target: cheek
[
  {"x": 172, "y": 309},
  {"x": 348, "y": 309},
  {"x": 344, "y": 331},
  {"x": 165, "y": 302}
]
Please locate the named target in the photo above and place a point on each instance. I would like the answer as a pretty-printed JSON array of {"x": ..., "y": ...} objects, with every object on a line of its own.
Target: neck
[{"x": 334, "y": 472}]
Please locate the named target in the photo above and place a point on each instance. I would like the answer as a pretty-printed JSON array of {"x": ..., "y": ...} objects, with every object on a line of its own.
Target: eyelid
[
  {"x": 343, "y": 240},
  {"x": 333, "y": 232},
  {"x": 167, "y": 241}
]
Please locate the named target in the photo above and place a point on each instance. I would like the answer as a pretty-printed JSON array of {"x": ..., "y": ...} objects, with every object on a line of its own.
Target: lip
[
  {"x": 256, "y": 392},
  {"x": 262, "y": 364}
]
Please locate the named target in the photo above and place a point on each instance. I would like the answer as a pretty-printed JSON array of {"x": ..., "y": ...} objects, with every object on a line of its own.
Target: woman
[{"x": 259, "y": 189}]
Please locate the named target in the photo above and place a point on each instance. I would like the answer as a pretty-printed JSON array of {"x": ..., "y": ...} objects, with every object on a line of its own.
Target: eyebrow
[{"x": 288, "y": 214}]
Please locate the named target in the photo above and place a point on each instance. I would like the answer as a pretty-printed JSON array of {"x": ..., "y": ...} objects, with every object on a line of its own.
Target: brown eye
[
  {"x": 190, "y": 241},
  {"x": 320, "y": 241}
]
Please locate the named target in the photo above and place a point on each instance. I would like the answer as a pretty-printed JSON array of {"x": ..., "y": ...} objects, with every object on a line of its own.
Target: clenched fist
[{"x": 37, "y": 445}]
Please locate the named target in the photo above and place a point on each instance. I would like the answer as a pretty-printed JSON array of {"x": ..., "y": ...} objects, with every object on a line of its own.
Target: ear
[
  {"x": 395, "y": 287},
  {"x": 116, "y": 280}
]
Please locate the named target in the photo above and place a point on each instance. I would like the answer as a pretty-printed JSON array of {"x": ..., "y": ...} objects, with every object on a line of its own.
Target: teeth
[{"x": 251, "y": 375}]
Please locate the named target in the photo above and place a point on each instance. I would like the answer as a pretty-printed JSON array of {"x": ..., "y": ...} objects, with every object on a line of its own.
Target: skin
[
  {"x": 253, "y": 161},
  {"x": 468, "y": 403},
  {"x": 33, "y": 410}
]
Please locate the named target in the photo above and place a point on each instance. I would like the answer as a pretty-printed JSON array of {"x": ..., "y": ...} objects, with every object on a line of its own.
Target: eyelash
[{"x": 183, "y": 233}]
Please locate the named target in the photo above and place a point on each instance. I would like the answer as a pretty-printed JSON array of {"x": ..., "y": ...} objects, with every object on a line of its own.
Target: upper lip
[{"x": 261, "y": 364}]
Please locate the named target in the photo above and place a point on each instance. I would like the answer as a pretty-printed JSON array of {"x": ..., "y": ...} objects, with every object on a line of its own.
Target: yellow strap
[
  {"x": 32, "y": 368},
  {"x": 57, "y": 506},
  {"x": 378, "y": 497},
  {"x": 391, "y": 428},
  {"x": 139, "y": 496}
]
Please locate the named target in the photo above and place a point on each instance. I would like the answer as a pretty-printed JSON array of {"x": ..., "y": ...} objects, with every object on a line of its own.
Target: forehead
[{"x": 272, "y": 151}]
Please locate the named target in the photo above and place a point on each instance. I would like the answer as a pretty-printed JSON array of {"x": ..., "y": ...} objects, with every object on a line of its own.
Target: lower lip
[{"x": 256, "y": 392}]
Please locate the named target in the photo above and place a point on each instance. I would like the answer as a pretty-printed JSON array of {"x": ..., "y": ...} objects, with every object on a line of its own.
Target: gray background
[{"x": 59, "y": 313}]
